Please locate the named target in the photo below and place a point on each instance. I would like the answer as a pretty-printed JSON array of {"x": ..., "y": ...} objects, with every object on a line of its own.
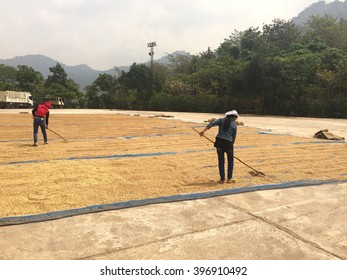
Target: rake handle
[{"x": 57, "y": 134}]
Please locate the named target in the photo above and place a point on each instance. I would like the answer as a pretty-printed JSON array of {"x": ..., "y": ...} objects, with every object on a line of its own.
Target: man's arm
[
  {"x": 216, "y": 122},
  {"x": 33, "y": 111}
]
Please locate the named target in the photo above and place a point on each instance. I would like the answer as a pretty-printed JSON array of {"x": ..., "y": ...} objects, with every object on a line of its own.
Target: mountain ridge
[
  {"x": 336, "y": 9},
  {"x": 82, "y": 74}
]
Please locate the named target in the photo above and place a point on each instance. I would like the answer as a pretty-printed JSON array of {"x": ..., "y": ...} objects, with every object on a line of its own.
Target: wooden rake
[{"x": 58, "y": 135}]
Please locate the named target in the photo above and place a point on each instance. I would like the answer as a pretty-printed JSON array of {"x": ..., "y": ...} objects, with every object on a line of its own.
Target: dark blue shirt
[{"x": 229, "y": 134}]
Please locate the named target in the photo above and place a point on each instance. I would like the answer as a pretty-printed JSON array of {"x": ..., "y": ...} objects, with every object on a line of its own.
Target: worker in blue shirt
[{"x": 224, "y": 143}]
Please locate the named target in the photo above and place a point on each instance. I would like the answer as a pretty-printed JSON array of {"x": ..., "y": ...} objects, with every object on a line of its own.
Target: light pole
[{"x": 151, "y": 45}]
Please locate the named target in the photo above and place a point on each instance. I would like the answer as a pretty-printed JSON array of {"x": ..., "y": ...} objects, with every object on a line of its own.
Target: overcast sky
[{"x": 107, "y": 33}]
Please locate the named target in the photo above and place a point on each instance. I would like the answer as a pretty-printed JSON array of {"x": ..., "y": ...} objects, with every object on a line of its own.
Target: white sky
[{"x": 107, "y": 33}]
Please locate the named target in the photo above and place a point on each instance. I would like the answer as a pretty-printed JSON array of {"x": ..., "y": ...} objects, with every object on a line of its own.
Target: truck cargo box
[{"x": 15, "y": 99}]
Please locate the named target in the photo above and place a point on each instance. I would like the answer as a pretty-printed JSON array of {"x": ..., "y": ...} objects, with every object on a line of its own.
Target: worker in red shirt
[{"x": 41, "y": 115}]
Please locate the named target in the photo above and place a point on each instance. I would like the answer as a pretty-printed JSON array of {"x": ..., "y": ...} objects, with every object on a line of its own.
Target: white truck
[
  {"x": 56, "y": 102},
  {"x": 15, "y": 99}
]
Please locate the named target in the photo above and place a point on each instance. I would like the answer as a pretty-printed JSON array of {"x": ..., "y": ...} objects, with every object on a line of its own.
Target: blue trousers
[
  {"x": 221, "y": 161},
  {"x": 40, "y": 122}
]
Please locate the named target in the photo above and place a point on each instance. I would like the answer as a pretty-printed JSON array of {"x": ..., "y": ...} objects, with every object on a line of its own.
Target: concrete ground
[
  {"x": 289, "y": 224},
  {"x": 292, "y": 224}
]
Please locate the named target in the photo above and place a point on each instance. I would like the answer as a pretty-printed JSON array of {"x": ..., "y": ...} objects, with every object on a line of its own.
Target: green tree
[
  {"x": 227, "y": 48},
  {"x": 207, "y": 55},
  {"x": 139, "y": 80},
  {"x": 250, "y": 41},
  {"x": 30, "y": 80},
  {"x": 94, "y": 100},
  {"x": 8, "y": 79},
  {"x": 281, "y": 33},
  {"x": 160, "y": 74},
  {"x": 105, "y": 91},
  {"x": 332, "y": 31},
  {"x": 58, "y": 76},
  {"x": 58, "y": 85},
  {"x": 180, "y": 64}
]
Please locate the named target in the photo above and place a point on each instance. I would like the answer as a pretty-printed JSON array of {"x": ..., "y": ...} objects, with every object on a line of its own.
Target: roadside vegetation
[{"x": 279, "y": 69}]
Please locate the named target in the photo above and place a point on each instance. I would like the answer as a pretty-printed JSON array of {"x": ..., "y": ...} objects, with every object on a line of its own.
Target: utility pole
[{"x": 151, "y": 45}]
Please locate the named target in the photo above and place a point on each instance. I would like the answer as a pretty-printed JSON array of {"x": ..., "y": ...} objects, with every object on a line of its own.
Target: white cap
[{"x": 232, "y": 113}]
